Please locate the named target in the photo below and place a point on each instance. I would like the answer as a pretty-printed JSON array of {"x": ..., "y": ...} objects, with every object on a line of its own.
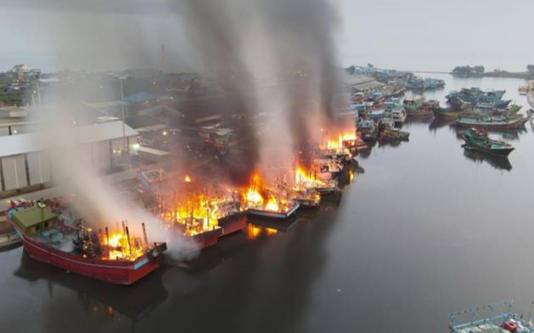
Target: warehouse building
[{"x": 26, "y": 160}]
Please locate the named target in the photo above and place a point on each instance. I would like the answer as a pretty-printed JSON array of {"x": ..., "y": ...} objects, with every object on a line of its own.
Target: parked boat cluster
[{"x": 380, "y": 116}]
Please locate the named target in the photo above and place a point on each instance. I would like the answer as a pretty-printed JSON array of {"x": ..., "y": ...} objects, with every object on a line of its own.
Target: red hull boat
[
  {"x": 47, "y": 238},
  {"x": 112, "y": 271}
]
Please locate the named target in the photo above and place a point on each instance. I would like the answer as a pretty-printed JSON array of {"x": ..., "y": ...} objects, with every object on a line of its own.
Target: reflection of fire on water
[{"x": 254, "y": 232}]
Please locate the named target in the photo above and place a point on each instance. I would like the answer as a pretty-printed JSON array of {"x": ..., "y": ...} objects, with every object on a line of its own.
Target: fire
[
  {"x": 260, "y": 196},
  {"x": 194, "y": 214},
  {"x": 120, "y": 247},
  {"x": 272, "y": 205},
  {"x": 344, "y": 140},
  {"x": 305, "y": 180},
  {"x": 254, "y": 197},
  {"x": 187, "y": 179},
  {"x": 351, "y": 175},
  {"x": 197, "y": 212}
]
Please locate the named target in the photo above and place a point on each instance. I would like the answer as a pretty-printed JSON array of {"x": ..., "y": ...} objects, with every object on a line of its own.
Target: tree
[
  {"x": 478, "y": 69},
  {"x": 350, "y": 69}
]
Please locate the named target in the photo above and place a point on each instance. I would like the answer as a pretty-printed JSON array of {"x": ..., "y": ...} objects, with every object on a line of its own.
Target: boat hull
[
  {"x": 446, "y": 114},
  {"x": 115, "y": 272},
  {"x": 233, "y": 223},
  {"x": 494, "y": 152},
  {"x": 494, "y": 126}
]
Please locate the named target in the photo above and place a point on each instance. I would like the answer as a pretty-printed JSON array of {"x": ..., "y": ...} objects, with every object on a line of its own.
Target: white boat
[{"x": 398, "y": 115}]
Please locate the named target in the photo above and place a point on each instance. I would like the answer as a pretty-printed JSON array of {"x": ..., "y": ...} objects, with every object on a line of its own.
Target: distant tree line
[{"x": 468, "y": 70}]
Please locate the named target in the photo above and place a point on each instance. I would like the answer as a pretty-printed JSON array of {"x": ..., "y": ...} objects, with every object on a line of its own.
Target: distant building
[{"x": 363, "y": 83}]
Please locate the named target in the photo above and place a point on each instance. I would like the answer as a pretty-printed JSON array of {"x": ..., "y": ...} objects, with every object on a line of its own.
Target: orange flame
[
  {"x": 118, "y": 247},
  {"x": 272, "y": 205},
  {"x": 344, "y": 140},
  {"x": 259, "y": 196},
  {"x": 187, "y": 179}
]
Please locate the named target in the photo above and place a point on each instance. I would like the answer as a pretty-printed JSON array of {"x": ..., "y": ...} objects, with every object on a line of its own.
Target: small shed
[{"x": 34, "y": 219}]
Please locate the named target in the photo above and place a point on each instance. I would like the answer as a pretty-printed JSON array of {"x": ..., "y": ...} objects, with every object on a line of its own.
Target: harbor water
[{"x": 426, "y": 230}]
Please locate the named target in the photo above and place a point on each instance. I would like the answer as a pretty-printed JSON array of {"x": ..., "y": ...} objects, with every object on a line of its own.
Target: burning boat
[
  {"x": 204, "y": 218},
  {"x": 261, "y": 201},
  {"x": 198, "y": 212},
  {"x": 113, "y": 256}
]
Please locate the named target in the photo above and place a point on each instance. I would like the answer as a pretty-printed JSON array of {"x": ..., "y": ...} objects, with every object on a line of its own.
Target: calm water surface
[{"x": 426, "y": 230}]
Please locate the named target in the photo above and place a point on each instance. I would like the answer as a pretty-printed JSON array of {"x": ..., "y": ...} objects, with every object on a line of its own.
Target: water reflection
[
  {"x": 499, "y": 163},
  {"x": 107, "y": 301},
  {"x": 439, "y": 123}
]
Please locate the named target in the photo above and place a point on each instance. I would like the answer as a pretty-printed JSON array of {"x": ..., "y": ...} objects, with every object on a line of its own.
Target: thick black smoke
[
  {"x": 215, "y": 37},
  {"x": 299, "y": 38}
]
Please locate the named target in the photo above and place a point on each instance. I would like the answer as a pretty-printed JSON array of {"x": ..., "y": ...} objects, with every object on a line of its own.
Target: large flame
[
  {"x": 344, "y": 140},
  {"x": 260, "y": 196},
  {"x": 119, "y": 247},
  {"x": 195, "y": 213}
]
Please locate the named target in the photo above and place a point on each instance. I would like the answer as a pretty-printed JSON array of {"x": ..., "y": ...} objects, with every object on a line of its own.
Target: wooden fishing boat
[{"x": 477, "y": 139}]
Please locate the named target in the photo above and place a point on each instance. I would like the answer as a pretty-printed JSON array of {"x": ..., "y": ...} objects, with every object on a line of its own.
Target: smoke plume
[{"x": 283, "y": 50}]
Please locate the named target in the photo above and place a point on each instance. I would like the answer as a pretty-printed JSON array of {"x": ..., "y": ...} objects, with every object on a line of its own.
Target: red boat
[{"x": 117, "y": 258}]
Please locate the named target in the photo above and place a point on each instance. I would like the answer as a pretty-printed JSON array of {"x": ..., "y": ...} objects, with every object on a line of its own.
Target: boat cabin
[{"x": 34, "y": 219}]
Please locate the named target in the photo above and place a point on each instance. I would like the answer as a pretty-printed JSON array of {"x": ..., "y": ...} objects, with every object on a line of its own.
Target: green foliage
[{"x": 468, "y": 70}]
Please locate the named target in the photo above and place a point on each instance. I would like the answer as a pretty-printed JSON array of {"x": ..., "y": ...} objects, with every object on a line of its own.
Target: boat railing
[
  {"x": 495, "y": 313},
  {"x": 486, "y": 314}
]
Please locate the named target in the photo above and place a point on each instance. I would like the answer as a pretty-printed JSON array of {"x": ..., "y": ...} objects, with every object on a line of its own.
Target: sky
[{"x": 402, "y": 34}]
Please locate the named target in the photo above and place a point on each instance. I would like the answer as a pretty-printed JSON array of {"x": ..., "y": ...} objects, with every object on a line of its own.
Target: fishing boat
[
  {"x": 399, "y": 116},
  {"x": 446, "y": 113},
  {"x": 367, "y": 130},
  {"x": 51, "y": 237},
  {"x": 497, "y": 123},
  {"x": 477, "y": 139},
  {"x": 388, "y": 135},
  {"x": 476, "y": 96},
  {"x": 377, "y": 114},
  {"x": 418, "y": 107}
]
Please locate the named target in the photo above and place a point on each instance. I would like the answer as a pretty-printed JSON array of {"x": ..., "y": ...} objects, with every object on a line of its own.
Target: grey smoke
[{"x": 295, "y": 39}]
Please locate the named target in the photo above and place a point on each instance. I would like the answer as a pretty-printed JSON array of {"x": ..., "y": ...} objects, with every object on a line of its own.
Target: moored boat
[
  {"x": 477, "y": 139},
  {"x": 117, "y": 258},
  {"x": 445, "y": 113},
  {"x": 399, "y": 116},
  {"x": 492, "y": 122}
]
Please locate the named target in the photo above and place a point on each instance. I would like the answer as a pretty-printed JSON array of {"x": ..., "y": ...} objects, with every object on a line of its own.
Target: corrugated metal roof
[{"x": 40, "y": 141}]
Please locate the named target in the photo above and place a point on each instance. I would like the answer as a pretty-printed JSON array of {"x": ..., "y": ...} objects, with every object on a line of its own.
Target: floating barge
[{"x": 47, "y": 238}]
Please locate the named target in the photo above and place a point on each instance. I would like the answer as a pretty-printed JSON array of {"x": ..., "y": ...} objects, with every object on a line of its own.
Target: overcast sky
[{"x": 409, "y": 34}]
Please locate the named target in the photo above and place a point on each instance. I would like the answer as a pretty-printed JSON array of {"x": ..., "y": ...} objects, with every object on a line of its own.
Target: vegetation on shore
[{"x": 479, "y": 71}]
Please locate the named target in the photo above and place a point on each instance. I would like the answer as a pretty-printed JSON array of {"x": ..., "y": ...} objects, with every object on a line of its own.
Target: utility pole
[{"x": 123, "y": 117}]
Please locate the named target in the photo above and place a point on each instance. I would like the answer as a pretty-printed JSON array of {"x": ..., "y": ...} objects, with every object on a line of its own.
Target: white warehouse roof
[{"x": 39, "y": 141}]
